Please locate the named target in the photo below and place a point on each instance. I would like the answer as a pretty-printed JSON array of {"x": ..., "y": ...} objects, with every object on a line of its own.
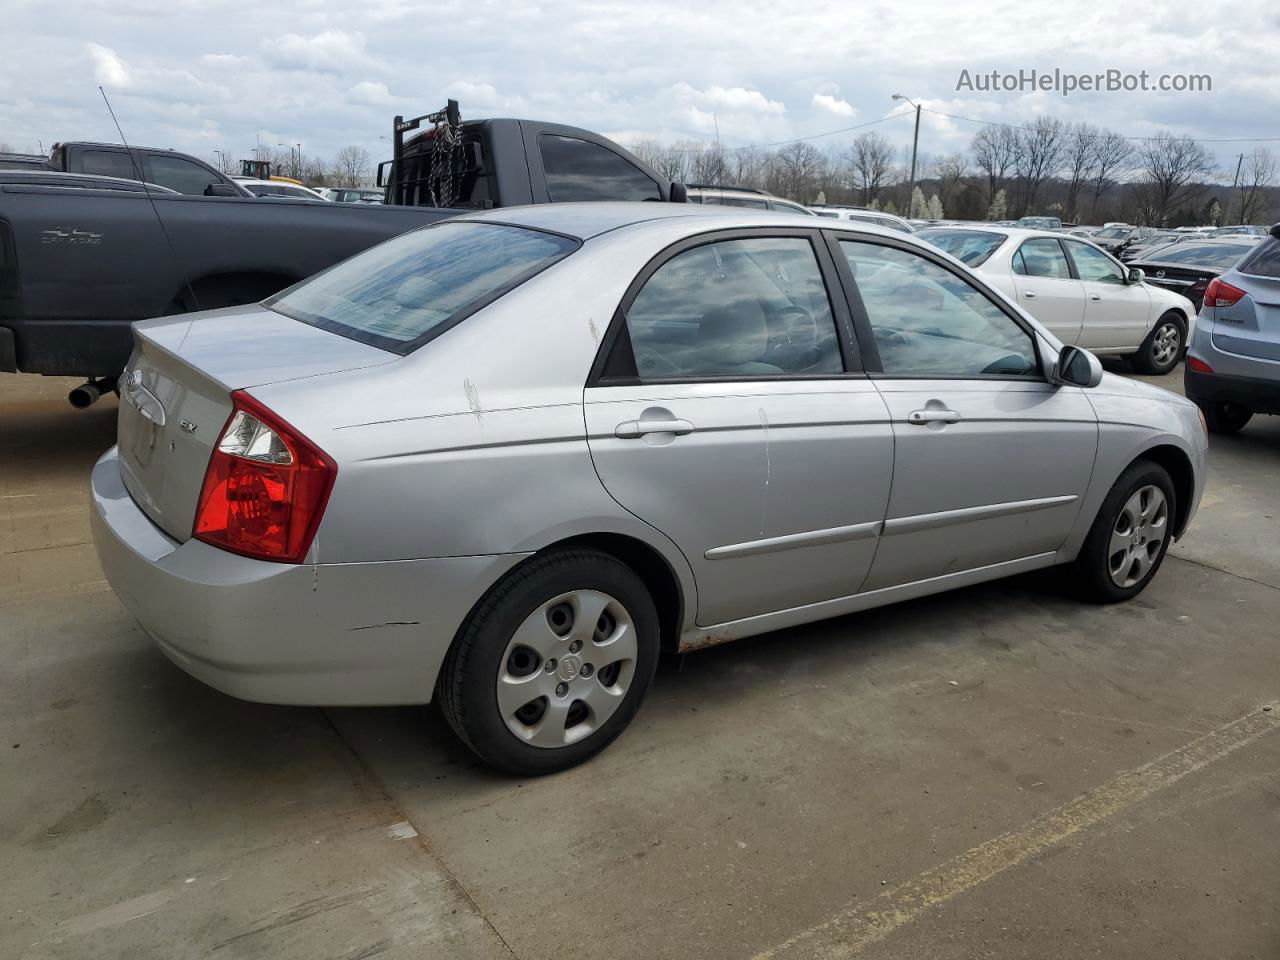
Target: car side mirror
[
  {"x": 221, "y": 190},
  {"x": 1135, "y": 275},
  {"x": 679, "y": 193},
  {"x": 1076, "y": 367}
]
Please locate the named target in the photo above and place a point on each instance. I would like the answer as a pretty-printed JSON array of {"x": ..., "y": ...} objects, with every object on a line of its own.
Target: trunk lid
[
  {"x": 1251, "y": 326},
  {"x": 175, "y": 395}
]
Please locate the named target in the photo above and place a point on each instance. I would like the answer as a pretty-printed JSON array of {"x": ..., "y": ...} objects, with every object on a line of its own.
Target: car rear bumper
[
  {"x": 1260, "y": 396},
  {"x": 335, "y": 634}
]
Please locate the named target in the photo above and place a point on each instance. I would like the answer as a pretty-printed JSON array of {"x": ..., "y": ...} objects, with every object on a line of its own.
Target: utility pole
[
  {"x": 915, "y": 143},
  {"x": 1239, "y": 164}
]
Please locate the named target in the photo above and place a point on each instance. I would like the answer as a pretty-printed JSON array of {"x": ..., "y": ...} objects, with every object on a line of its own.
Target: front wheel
[
  {"x": 1130, "y": 536},
  {"x": 553, "y": 664},
  {"x": 1162, "y": 349}
]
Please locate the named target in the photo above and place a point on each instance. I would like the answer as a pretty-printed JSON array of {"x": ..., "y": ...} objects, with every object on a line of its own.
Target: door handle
[
  {"x": 633, "y": 429},
  {"x": 1029, "y": 295},
  {"x": 932, "y": 415},
  {"x": 1094, "y": 296}
]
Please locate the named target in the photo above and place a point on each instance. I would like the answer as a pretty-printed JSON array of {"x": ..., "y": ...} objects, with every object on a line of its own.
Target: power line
[
  {"x": 814, "y": 136},
  {"x": 999, "y": 123}
]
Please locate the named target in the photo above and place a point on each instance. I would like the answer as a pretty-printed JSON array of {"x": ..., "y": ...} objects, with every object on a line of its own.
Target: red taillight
[
  {"x": 1219, "y": 294},
  {"x": 265, "y": 488},
  {"x": 1198, "y": 365}
]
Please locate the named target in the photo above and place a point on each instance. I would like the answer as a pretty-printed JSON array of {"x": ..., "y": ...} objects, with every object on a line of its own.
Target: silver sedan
[{"x": 503, "y": 461}]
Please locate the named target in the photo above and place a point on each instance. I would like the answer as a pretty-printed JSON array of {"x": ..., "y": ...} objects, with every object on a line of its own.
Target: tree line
[
  {"x": 349, "y": 167},
  {"x": 1079, "y": 172}
]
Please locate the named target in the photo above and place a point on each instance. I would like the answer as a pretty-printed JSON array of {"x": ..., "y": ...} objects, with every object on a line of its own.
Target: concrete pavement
[{"x": 996, "y": 772}]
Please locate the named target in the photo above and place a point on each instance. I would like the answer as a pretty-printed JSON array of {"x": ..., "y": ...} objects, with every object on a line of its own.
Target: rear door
[
  {"x": 1046, "y": 288},
  {"x": 1116, "y": 312},
  {"x": 729, "y": 411},
  {"x": 991, "y": 461}
]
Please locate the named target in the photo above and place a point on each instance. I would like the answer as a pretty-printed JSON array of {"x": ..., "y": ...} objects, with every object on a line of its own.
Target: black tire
[
  {"x": 1145, "y": 360},
  {"x": 467, "y": 687},
  {"x": 1092, "y": 567},
  {"x": 1225, "y": 417}
]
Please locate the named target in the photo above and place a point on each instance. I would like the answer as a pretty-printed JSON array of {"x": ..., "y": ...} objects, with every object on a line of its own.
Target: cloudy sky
[{"x": 200, "y": 75}]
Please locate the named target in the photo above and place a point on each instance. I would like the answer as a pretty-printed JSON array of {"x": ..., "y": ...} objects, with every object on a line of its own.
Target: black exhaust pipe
[{"x": 87, "y": 394}]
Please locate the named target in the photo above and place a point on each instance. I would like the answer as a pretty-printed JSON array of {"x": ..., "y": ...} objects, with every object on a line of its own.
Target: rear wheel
[
  {"x": 1130, "y": 536},
  {"x": 553, "y": 664},
  {"x": 1225, "y": 417},
  {"x": 1162, "y": 349}
]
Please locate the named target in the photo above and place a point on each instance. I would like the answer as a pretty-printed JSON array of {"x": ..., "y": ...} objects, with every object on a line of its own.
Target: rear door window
[
  {"x": 401, "y": 293},
  {"x": 753, "y": 307},
  {"x": 581, "y": 170},
  {"x": 1042, "y": 257},
  {"x": 109, "y": 163}
]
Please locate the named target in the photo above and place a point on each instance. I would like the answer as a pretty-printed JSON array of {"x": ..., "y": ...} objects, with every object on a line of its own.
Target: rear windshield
[
  {"x": 401, "y": 293},
  {"x": 1264, "y": 261},
  {"x": 1221, "y": 255},
  {"x": 970, "y": 247}
]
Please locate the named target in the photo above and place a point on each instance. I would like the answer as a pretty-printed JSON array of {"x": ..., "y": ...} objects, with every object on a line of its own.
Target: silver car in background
[{"x": 502, "y": 462}]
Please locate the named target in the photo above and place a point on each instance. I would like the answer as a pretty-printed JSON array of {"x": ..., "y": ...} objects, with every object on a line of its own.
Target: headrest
[{"x": 734, "y": 334}]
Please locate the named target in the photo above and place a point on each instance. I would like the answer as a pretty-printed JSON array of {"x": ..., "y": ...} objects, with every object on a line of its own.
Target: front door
[
  {"x": 991, "y": 462},
  {"x": 1116, "y": 311},
  {"x": 729, "y": 415}
]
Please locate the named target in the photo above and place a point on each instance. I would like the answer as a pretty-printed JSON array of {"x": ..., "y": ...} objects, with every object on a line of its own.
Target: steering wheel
[{"x": 894, "y": 337}]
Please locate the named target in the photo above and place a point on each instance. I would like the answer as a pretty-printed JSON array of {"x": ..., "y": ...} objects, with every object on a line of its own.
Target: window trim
[
  {"x": 862, "y": 322},
  {"x": 618, "y": 336},
  {"x": 1071, "y": 264}
]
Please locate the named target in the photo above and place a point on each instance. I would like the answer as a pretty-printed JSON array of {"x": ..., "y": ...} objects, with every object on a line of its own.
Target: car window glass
[
  {"x": 1205, "y": 254},
  {"x": 109, "y": 163},
  {"x": 927, "y": 321},
  {"x": 1264, "y": 261},
  {"x": 736, "y": 308},
  {"x": 396, "y": 294},
  {"x": 970, "y": 247},
  {"x": 580, "y": 170},
  {"x": 179, "y": 174},
  {"x": 790, "y": 208},
  {"x": 1043, "y": 257},
  {"x": 1094, "y": 265}
]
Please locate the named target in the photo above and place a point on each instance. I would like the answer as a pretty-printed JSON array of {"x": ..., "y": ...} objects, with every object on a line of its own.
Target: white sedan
[{"x": 1084, "y": 295}]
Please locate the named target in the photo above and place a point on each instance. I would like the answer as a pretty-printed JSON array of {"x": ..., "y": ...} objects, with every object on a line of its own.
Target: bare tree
[
  {"x": 994, "y": 148},
  {"x": 1257, "y": 175},
  {"x": 795, "y": 169},
  {"x": 1173, "y": 170},
  {"x": 351, "y": 166},
  {"x": 1039, "y": 156},
  {"x": 749, "y": 166},
  {"x": 1080, "y": 160},
  {"x": 1112, "y": 154},
  {"x": 708, "y": 165},
  {"x": 868, "y": 165},
  {"x": 950, "y": 172},
  {"x": 670, "y": 161}
]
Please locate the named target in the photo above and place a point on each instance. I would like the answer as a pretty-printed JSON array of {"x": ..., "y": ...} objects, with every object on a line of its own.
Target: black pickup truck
[
  {"x": 79, "y": 264},
  {"x": 168, "y": 168}
]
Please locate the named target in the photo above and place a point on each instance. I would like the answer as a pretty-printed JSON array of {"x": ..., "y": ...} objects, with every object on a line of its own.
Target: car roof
[
  {"x": 1017, "y": 233},
  {"x": 56, "y": 177},
  {"x": 585, "y": 220}
]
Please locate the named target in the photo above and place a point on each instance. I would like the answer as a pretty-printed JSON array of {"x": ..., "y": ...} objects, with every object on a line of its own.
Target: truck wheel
[
  {"x": 553, "y": 664},
  {"x": 1130, "y": 535},
  {"x": 1162, "y": 349},
  {"x": 1225, "y": 417}
]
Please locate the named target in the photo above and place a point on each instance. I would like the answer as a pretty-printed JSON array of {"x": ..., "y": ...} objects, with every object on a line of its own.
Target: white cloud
[
  {"x": 370, "y": 92},
  {"x": 229, "y": 60},
  {"x": 841, "y": 108},
  {"x": 108, "y": 69},
  {"x": 327, "y": 52}
]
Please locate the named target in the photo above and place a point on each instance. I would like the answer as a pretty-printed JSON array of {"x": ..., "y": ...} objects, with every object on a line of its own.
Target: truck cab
[{"x": 178, "y": 171}]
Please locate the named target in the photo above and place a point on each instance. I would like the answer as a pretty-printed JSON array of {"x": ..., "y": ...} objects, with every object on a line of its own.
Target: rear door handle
[
  {"x": 1094, "y": 296},
  {"x": 632, "y": 429},
  {"x": 932, "y": 415},
  {"x": 1029, "y": 295}
]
